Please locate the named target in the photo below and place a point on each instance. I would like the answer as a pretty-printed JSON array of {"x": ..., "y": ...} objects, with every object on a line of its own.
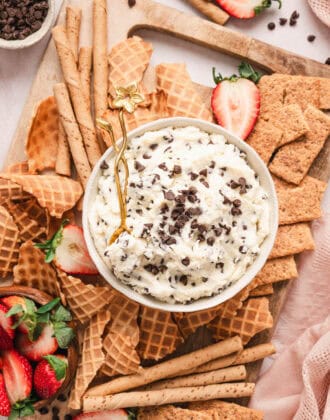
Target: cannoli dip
[{"x": 196, "y": 212}]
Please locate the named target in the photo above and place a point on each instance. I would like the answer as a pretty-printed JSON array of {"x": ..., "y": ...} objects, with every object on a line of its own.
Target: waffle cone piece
[
  {"x": 55, "y": 193},
  {"x": 251, "y": 319},
  {"x": 11, "y": 191},
  {"x": 92, "y": 357},
  {"x": 84, "y": 300},
  {"x": 159, "y": 335},
  {"x": 156, "y": 110},
  {"x": 33, "y": 271},
  {"x": 18, "y": 168},
  {"x": 42, "y": 141},
  {"x": 9, "y": 242},
  {"x": 182, "y": 97},
  {"x": 128, "y": 61},
  {"x": 190, "y": 321},
  {"x": 120, "y": 355},
  {"x": 28, "y": 227}
]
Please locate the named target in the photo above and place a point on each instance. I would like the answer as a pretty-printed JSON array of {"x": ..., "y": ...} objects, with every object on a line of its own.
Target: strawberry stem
[
  {"x": 246, "y": 71},
  {"x": 265, "y": 4},
  {"x": 51, "y": 245}
]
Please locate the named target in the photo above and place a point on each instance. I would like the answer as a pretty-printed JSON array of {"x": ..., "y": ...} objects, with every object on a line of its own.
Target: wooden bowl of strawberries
[{"x": 38, "y": 350}]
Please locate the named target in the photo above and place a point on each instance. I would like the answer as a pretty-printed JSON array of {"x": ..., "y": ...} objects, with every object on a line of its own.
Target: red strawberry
[
  {"x": 236, "y": 101},
  {"x": 118, "y": 414},
  {"x": 5, "y": 406},
  {"x": 245, "y": 9},
  {"x": 17, "y": 373},
  {"x": 49, "y": 375},
  {"x": 69, "y": 251},
  {"x": 6, "y": 343},
  {"x": 13, "y": 300},
  {"x": 44, "y": 345},
  {"x": 6, "y": 322}
]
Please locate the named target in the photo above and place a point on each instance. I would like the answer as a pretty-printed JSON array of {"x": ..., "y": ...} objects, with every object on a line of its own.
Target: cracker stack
[
  {"x": 159, "y": 335},
  {"x": 9, "y": 242}
]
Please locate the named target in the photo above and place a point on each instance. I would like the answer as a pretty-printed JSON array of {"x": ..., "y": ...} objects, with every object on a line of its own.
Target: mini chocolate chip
[
  {"x": 201, "y": 238},
  {"x": 172, "y": 229},
  {"x": 271, "y": 26},
  {"x": 138, "y": 166},
  {"x": 131, "y": 3},
  {"x": 226, "y": 200},
  {"x": 212, "y": 164},
  {"x": 242, "y": 249},
  {"x": 237, "y": 203},
  {"x": 185, "y": 261},
  {"x": 244, "y": 227},
  {"x": 206, "y": 184},
  {"x": 283, "y": 21},
  {"x": 163, "y": 166},
  {"x": 55, "y": 417},
  {"x": 204, "y": 279},
  {"x": 219, "y": 265},
  {"x": 62, "y": 397},
  {"x": 153, "y": 146},
  {"x": 203, "y": 172},
  {"x": 177, "y": 169},
  {"x": 192, "y": 198},
  {"x": 295, "y": 15},
  {"x": 170, "y": 241},
  {"x": 146, "y": 156},
  {"x": 292, "y": 22},
  {"x": 169, "y": 139},
  {"x": 311, "y": 38},
  {"x": 184, "y": 280},
  {"x": 327, "y": 61},
  {"x": 210, "y": 241},
  {"x": 233, "y": 184},
  {"x": 193, "y": 176},
  {"x": 181, "y": 198},
  {"x": 235, "y": 211},
  {"x": 217, "y": 231},
  {"x": 169, "y": 195},
  {"x": 55, "y": 410},
  {"x": 164, "y": 208},
  {"x": 68, "y": 416}
]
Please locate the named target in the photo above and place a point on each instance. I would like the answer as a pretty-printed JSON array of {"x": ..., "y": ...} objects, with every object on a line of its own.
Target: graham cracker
[
  {"x": 291, "y": 120},
  {"x": 226, "y": 410},
  {"x": 293, "y": 160},
  {"x": 324, "y": 93},
  {"x": 170, "y": 412},
  {"x": 302, "y": 90},
  {"x": 292, "y": 239},
  {"x": 264, "y": 139},
  {"x": 302, "y": 203},
  {"x": 271, "y": 94},
  {"x": 262, "y": 290},
  {"x": 275, "y": 270}
]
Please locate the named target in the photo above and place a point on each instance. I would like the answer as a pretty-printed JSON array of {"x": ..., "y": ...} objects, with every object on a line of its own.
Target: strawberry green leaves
[
  {"x": 50, "y": 246},
  {"x": 22, "y": 408},
  {"x": 245, "y": 70},
  {"x": 59, "y": 366},
  {"x": 265, "y": 4}
]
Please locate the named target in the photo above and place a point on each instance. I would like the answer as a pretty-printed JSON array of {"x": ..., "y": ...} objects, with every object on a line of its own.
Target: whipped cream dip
[{"x": 196, "y": 212}]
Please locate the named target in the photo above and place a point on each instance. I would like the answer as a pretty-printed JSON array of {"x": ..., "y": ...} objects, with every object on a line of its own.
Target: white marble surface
[{"x": 18, "y": 68}]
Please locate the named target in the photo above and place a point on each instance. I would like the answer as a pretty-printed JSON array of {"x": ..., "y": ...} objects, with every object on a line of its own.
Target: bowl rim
[
  {"x": 36, "y": 36},
  {"x": 42, "y": 298},
  {"x": 266, "y": 247}
]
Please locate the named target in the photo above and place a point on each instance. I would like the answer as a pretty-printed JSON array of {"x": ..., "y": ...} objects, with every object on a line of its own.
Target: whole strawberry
[
  {"x": 49, "y": 375},
  {"x": 4, "y": 400}
]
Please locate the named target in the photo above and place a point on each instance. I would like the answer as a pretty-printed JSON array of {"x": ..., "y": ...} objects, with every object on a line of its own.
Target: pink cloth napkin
[{"x": 296, "y": 386}]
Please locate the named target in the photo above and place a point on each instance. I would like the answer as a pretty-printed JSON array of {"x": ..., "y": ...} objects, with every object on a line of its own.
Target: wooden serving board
[{"x": 124, "y": 21}]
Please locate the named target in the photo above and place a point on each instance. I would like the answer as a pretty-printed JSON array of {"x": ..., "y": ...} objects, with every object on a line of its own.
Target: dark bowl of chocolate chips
[{"x": 24, "y": 22}]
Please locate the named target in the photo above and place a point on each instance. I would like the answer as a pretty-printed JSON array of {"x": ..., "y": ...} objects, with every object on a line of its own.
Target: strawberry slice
[
  {"x": 5, "y": 406},
  {"x": 6, "y": 322},
  {"x": 44, "y": 345},
  {"x": 17, "y": 373},
  {"x": 236, "y": 101},
  {"x": 69, "y": 251},
  {"x": 118, "y": 414},
  {"x": 49, "y": 375},
  {"x": 246, "y": 9},
  {"x": 6, "y": 342},
  {"x": 10, "y": 302}
]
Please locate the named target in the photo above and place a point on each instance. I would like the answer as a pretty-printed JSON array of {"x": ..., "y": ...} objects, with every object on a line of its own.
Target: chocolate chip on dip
[{"x": 196, "y": 211}]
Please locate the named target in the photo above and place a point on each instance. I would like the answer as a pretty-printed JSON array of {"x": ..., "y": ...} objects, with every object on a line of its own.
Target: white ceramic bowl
[
  {"x": 32, "y": 39},
  {"x": 207, "y": 302}
]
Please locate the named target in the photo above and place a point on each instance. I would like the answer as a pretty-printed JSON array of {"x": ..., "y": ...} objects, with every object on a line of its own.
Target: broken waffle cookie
[{"x": 9, "y": 242}]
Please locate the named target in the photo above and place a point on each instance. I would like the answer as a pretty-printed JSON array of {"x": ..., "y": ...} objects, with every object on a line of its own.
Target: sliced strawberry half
[
  {"x": 5, "y": 406},
  {"x": 17, "y": 373},
  {"x": 49, "y": 375},
  {"x": 118, "y": 414},
  {"x": 6, "y": 322},
  {"x": 245, "y": 9},
  {"x": 236, "y": 105},
  {"x": 44, "y": 345},
  {"x": 10, "y": 302},
  {"x": 6, "y": 342},
  {"x": 69, "y": 251}
]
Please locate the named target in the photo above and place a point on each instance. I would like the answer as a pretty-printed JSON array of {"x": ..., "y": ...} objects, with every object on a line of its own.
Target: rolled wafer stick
[
  {"x": 169, "y": 368},
  {"x": 72, "y": 79},
  {"x": 71, "y": 128},
  {"x": 72, "y": 23},
  {"x": 167, "y": 396},
  {"x": 85, "y": 68},
  {"x": 63, "y": 159},
  {"x": 230, "y": 374},
  {"x": 210, "y": 10},
  {"x": 249, "y": 355},
  {"x": 100, "y": 60}
]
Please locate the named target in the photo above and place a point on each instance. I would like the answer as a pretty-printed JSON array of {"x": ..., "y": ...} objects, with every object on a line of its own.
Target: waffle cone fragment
[
  {"x": 182, "y": 97},
  {"x": 9, "y": 242},
  {"x": 120, "y": 355},
  {"x": 124, "y": 313},
  {"x": 159, "y": 335},
  {"x": 252, "y": 318},
  {"x": 84, "y": 300},
  {"x": 32, "y": 270},
  {"x": 29, "y": 228},
  {"x": 190, "y": 321},
  {"x": 18, "y": 167},
  {"x": 92, "y": 357},
  {"x": 128, "y": 61},
  {"x": 42, "y": 141},
  {"x": 53, "y": 192},
  {"x": 11, "y": 191}
]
